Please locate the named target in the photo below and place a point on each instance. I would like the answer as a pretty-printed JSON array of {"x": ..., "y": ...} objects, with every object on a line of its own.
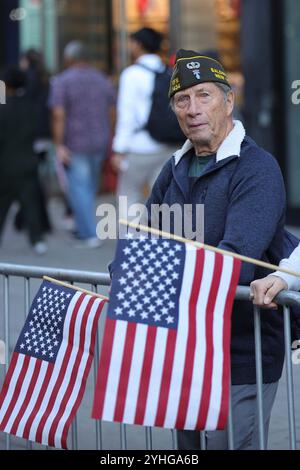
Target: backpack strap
[
  {"x": 155, "y": 72},
  {"x": 151, "y": 70}
]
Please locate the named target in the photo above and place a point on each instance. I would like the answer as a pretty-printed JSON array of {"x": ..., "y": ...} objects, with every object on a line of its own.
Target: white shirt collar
[
  {"x": 231, "y": 145},
  {"x": 153, "y": 61}
]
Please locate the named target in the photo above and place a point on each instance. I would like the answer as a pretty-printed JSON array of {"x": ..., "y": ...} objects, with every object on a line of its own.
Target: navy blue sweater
[{"x": 244, "y": 207}]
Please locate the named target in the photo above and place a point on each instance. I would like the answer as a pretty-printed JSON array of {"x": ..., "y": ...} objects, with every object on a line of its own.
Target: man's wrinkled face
[{"x": 203, "y": 112}]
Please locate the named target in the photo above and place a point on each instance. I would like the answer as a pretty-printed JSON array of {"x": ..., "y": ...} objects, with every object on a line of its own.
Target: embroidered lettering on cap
[{"x": 175, "y": 84}]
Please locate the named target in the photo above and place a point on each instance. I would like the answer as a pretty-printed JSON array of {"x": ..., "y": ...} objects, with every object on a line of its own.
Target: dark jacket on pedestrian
[
  {"x": 17, "y": 133},
  {"x": 243, "y": 194}
]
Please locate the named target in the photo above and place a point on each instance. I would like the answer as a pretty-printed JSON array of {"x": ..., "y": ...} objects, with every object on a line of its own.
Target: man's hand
[
  {"x": 263, "y": 291},
  {"x": 118, "y": 162},
  {"x": 63, "y": 154},
  {"x": 58, "y": 130}
]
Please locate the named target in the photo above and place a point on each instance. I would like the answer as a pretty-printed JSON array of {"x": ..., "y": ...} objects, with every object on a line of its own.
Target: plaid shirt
[{"x": 86, "y": 96}]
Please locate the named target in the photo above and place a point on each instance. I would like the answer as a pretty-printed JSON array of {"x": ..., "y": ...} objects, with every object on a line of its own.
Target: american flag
[
  {"x": 165, "y": 358},
  {"x": 47, "y": 374}
]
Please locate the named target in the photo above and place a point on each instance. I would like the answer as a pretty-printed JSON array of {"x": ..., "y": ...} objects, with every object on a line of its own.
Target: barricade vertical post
[
  {"x": 230, "y": 425},
  {"x": 26, "y": 311},
  {"x": 26, "y": 295},
  {"x": 74, "y": 434},
  {"x": 259, "y": 377},
  {"x": 123, "y": 437},
  {"x": 6, "y": 335},
  {"x": 149, "y": 444},
  {"x": 99, "y": 442},
  {"x": 202, "y": 440},
  {"x": 174, "y": 439},
  {"x": 74, "y": 424},
  {"x": 289, "y": 377}
]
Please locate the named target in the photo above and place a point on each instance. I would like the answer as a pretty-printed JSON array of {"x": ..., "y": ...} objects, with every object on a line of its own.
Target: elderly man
[
  {"x": 264, "y": 290},
  {"x": 242, "y": 190}
]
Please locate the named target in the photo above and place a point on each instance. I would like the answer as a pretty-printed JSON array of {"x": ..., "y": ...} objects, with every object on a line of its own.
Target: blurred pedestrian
[
  {"x": 18, "y": 162},
  {"x": 137, "y": 156},
  {"x": 37, "y": 90},
  {"x": 81, "y": 99}
]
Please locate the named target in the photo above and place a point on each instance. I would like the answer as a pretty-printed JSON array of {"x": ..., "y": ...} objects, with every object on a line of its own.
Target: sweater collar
[{"x": 230, "y": 146}]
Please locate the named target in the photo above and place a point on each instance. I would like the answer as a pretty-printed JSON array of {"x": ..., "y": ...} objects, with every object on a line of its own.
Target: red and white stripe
[
  {"x": 156, "y": 376},
  {"x": 39, "y": 399}
]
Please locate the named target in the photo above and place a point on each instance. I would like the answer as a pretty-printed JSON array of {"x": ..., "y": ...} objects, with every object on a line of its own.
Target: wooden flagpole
[
  {"x": 61, "y": 283},
  {"x": 246, "y": 259}
]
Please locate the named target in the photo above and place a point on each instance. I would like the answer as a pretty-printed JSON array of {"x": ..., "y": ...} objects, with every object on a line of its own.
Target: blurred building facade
[
  {"x": 8, "y": 29},
  {"x": 211, "y": 25},
  {"x": 270, "y": 47},
  {"x": 257, "y": 40}
]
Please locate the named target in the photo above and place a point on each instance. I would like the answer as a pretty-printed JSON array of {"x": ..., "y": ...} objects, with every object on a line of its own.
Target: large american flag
[
  {"x": 165, "y": 357},
  {"x": 47, "y": 374}
]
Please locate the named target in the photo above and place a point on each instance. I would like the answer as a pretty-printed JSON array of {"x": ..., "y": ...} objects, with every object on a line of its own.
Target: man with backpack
[{"x": 147, "y": 132}]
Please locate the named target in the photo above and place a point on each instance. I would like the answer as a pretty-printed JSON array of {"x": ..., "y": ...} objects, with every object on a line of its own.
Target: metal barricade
[{"x": 95, "y": 281}]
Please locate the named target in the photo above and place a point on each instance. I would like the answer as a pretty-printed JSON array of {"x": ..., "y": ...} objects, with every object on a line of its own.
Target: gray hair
[
  {"x": 75, "y": 50},
  {"x": 224, "y": 88},
  {"x": 172, "y": 104}
]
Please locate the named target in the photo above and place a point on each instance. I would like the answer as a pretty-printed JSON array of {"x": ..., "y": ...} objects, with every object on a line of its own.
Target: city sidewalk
[{"x": 63, "y": 252}]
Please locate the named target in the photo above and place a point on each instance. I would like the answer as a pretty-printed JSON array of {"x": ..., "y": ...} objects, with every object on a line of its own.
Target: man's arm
[
  {"x": 58, "y": 131},
  {"x": 128, "y": 104},
  {"x": 125, "y": 123},
  {"x": 57, "y": 104},
  {"x": 256, "y": 210}
]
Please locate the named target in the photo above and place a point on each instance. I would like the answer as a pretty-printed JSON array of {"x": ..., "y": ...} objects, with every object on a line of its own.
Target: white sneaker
[
  {"x": 40, "y": 248},
  {"x": 89, "y": 243}
]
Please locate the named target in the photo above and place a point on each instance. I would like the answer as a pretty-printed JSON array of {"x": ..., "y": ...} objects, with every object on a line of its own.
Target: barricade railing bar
[{"x": 100, "y": 280}]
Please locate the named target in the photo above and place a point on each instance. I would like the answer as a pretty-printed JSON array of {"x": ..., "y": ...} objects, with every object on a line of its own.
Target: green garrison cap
[{"x": 191, "y": 68}]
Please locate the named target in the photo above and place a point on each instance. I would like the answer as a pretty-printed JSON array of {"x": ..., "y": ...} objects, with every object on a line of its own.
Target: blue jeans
[{"x": 83, "y": 178}]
